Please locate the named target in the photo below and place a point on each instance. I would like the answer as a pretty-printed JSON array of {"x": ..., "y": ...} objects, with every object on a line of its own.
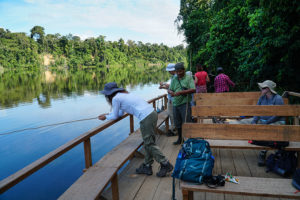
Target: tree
[{"x": 37, "y": 33}]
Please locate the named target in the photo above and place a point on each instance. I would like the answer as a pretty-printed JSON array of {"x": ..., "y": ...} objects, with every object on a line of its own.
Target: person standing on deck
[
  {"x": 268, "y": 97},
  {"x": 122, "y": 101},
  {"x": 222, "y": 81},
  {"x": 201, "y": 78},
  {"x": 181, "y": 89},
  {"x": 171, "y": 69}
]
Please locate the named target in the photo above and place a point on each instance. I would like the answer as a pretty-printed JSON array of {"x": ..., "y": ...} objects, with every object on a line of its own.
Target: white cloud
[{"x": 140, "y": 20}]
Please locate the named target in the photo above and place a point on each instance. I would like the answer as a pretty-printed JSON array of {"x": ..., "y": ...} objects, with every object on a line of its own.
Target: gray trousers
[
  {"x": 249, "y": 120},
  {"x": 182, "y": 113},
  {"x": 148, "y": 129}
]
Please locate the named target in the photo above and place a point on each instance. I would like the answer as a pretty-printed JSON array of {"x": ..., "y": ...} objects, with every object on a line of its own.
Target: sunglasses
[{"x": 264, "y": 88}]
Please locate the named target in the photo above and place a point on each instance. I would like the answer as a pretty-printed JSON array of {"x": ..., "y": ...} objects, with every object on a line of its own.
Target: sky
[{"x": 138, "y": 20}]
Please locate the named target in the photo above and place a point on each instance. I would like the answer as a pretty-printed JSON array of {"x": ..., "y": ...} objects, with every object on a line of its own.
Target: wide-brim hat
[
  {"x": 110, "y": 88},
  {"x": 269, "y": 84},
  {"x": 170, "y": 67}
]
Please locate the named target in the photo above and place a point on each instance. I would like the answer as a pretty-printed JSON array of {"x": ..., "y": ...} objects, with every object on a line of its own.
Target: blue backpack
[{"x": 194, "y": 162}]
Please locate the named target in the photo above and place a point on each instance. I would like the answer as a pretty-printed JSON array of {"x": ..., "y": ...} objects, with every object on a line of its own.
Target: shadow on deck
[{"x": 142, "y": 187}]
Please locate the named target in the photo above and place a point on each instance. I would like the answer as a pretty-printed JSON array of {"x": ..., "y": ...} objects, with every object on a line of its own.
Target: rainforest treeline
[
  {"x": 19, "y": 50},
  {"x": 253, "y": 40}
]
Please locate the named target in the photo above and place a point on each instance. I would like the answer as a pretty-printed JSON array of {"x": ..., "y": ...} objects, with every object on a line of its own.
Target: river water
[{"x": 33, "y": 99}]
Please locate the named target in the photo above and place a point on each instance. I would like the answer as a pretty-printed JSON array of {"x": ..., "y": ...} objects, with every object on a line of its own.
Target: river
[{"x": 36, "y": 98}]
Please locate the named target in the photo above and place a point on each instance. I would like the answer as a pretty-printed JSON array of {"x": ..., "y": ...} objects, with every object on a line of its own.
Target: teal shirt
[{"x": 187, "y": 82}]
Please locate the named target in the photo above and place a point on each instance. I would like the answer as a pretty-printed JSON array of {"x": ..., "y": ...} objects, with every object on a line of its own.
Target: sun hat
[
  {"x": 269, "y": 84},
  {"x": 179, "y": 66},
  {"x": 170, "y": 67},
  {"x": 110, "y": 88}
]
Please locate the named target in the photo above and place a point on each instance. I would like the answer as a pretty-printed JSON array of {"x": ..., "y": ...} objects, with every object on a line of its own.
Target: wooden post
[
  {"x": 167, "y": 124},
  {"x": 131, "y": 124},
  {"x": 187, "y": 195},
  {"x": 87, "y": 153},
  {"x": 166, "y": 102},
  {"x": 115, "y": 187},
  {"x": 154, "y": 105},
  {"x": 296, "y": 120}
]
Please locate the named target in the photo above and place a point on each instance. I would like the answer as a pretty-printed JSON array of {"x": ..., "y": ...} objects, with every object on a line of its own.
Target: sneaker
[
  {"x": 262, "y": 159},
  {"x": 144, "y": 169},
  {"x": 164, "y": 169},
  {"x": 177, "y": 142},
  {"x": 170, "y": 133}
]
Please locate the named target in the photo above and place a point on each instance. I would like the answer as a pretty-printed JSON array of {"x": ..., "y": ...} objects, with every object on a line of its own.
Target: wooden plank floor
[{"x": 142, "y": 187}]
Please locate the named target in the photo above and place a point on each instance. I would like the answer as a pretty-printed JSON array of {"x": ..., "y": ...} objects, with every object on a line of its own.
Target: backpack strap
[{"x": 173, "y": 189}]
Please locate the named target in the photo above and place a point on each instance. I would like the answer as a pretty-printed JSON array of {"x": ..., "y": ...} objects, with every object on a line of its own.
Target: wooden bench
[
  {"x": 227, "y": 98},
  {"x": 229, "y": 134},
  {"x": 283, "y": 110},
  {"x": 96, "y": 178},
  {"x": 250, "y": 186}
]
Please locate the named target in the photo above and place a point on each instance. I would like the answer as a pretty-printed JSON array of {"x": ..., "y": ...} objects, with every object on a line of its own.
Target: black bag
[
  {"x": 272, "y": 144},
  {"x": 282, "y": 162},
  {"x": 296, "y": 179}
]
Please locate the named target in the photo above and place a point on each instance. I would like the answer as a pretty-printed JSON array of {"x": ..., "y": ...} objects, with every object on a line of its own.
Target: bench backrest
[
  {"x": 246, "y": 110},
  {"x": 229, "y": 98},
  {"x": 256, "y": 95},
  {"x": 244, "y": 132}
]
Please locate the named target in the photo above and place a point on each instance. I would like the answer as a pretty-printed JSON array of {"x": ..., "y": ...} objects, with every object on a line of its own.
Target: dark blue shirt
[{"x": 274, "y": 100}]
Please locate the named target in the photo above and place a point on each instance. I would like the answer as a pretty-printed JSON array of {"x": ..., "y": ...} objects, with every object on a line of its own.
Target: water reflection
[{"x": 20, "y": 86}]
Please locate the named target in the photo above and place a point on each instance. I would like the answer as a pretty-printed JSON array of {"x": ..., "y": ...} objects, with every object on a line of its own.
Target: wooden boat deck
[{"x": 142, "y": 187}]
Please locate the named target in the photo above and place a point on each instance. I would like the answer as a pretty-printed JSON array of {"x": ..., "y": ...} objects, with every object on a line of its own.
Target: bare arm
[
  {"x": 196, "y": 80},
  {"x": 207, "y": 78},
  {"x": 182, "y": 92}
]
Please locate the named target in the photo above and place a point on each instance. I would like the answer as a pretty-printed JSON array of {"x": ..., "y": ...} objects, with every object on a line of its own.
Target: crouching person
[{"x": 122, "y": 101}]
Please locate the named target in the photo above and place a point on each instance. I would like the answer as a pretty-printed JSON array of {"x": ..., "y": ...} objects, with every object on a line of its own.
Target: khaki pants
[{"x": 148, "y": 126}]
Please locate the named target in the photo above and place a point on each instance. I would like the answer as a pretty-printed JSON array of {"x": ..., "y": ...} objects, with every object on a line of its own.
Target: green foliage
[
  {"x": 18, "y": 50},
  {"x": 252, "y": 40}
]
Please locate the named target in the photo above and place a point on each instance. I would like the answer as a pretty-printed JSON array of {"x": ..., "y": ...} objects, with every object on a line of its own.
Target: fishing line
[{"x": 25, "y": 129}]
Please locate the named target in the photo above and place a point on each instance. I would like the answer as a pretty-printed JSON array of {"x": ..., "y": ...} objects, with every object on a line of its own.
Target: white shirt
[{"x": 129, "y": 103}]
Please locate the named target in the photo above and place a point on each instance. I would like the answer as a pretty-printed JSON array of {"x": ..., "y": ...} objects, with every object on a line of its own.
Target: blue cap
[{"x": 170, "y": 67}]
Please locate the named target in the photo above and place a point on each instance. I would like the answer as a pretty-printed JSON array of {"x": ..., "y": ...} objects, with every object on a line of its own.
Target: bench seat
[
  {"x": 242, "y": 144},
  {"x": 251, "y": 186}
]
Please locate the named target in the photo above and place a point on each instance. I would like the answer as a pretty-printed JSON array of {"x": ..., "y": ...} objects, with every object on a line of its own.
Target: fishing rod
[{"x": 67, "y": 122}]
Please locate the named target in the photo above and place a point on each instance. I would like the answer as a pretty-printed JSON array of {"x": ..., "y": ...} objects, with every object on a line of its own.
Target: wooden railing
[{"x": 20, "y": 175}]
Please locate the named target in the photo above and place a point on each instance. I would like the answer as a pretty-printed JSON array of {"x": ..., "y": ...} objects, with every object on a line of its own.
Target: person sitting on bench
[{"x": 268, "y": 97}]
